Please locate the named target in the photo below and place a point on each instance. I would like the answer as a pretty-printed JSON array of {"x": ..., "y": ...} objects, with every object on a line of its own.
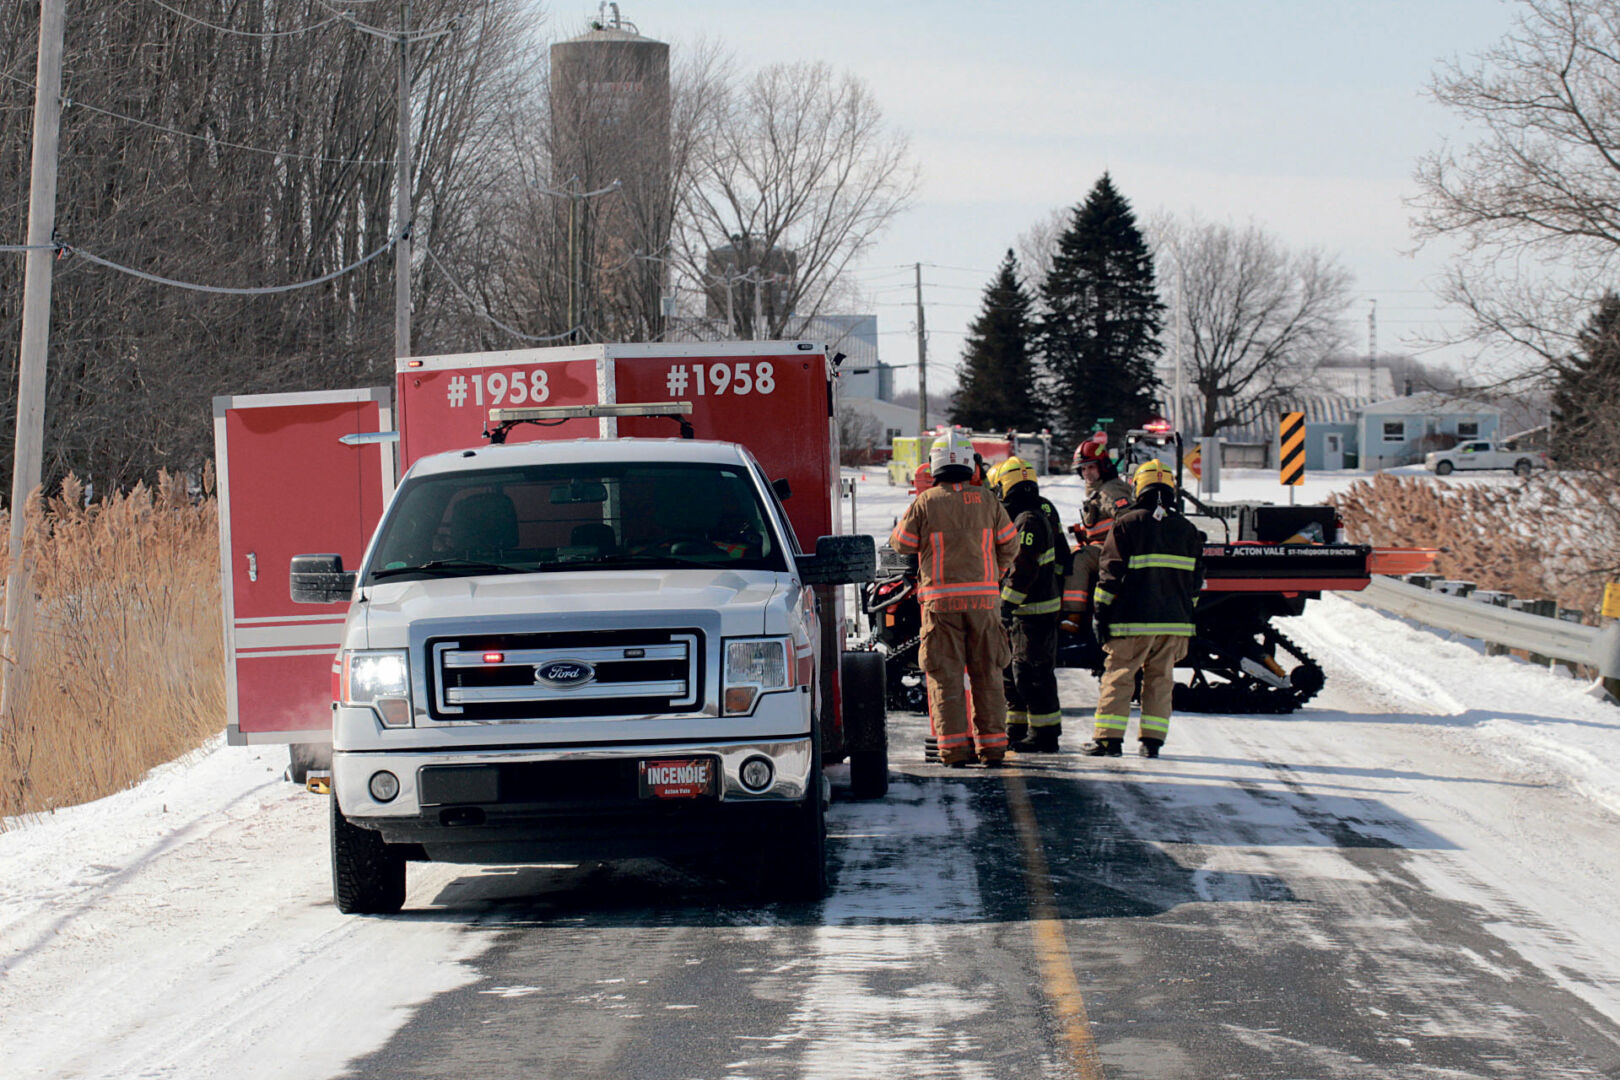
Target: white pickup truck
[
  {"x": 562, "y": 634},
  {"x": 1483, "y": 454}
]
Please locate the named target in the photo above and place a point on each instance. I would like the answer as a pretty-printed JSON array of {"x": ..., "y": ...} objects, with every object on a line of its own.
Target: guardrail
[{"x": 1483, "y": 618}]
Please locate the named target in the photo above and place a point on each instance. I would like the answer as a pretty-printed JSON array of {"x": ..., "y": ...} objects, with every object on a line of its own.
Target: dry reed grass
[
  {"x": 1543, "y": 539},
  {"x": 124, "y": 666}
]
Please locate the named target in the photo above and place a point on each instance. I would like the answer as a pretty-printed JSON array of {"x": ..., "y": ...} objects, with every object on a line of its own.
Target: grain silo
[{"x": 610, "y": 106}]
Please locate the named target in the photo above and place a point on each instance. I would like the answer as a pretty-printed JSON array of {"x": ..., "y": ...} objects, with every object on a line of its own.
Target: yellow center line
[{"x": 1051, "y": 947}]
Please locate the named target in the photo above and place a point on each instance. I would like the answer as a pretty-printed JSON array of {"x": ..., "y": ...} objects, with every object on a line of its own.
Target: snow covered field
[{"x": 184, "y": 929}]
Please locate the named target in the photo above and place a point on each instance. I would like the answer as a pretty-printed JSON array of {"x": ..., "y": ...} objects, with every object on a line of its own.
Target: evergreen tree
[
  {"x": 1099, "y": 335},
  {"x": 1586, "y": 386},
  {"x": 996, "y": 381}
]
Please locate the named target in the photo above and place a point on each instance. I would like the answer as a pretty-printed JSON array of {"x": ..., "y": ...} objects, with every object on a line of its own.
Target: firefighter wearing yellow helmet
[
  {"x": 1031, "y": 598},
  {"x": 1151, "y": 571},
  {"x": 963, "y": 541}
]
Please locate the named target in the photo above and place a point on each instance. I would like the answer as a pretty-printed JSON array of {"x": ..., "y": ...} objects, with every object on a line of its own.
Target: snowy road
[{"x": 1413, "y": 877}]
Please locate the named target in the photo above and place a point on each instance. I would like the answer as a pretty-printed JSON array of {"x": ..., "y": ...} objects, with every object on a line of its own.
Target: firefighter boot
[
  {"x": 1149, "y": 747},
  {"x": 1104, "y": 748},
  {"x": 1043, "y": 739},
  {"x": 1016, "y": 733}
]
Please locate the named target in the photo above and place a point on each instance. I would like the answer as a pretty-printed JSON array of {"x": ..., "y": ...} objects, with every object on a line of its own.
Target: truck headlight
[
  {"x": 381, "y": 680},
  {"x": 755, "y": 666}
]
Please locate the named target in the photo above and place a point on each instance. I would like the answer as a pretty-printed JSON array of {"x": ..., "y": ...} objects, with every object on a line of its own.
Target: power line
[
  {"x": 394, "y": 35},
  {"x": 261, "y": 290},
  {"x": 485, "y": 315},
  {"x": 339, "y": 17},
  {"x": 68, "y": 102}
]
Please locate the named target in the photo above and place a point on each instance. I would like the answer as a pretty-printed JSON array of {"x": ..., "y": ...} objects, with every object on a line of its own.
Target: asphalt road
[{"x": 1335, "y": 894}]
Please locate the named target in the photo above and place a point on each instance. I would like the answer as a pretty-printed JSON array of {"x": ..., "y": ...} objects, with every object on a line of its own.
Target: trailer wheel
[
  {"x": 1443, "y": 468},
  {"x": 1522, "y": 467},
  {"x": 368, "y": 878},
  {"x": 866, "y": 724}
]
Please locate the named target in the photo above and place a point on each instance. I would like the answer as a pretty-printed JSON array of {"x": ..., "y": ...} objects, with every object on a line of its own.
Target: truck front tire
[
  {"x": 1443, "y": 468},
  {"x": 865, "y": 724},
  {"x": 795, "y": 863},
  {"x": 368, "y": 877}
]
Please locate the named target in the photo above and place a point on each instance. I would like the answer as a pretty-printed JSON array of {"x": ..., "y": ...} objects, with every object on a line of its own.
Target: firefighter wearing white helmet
[
  {"x": 1031, "y": 598},
  {"x": 1147, "y": 586},
  {"x": 963, "y": 541}
]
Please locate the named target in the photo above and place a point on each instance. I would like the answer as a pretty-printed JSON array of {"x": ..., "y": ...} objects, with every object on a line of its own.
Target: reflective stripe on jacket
[
  {"x": 1111, "y": 497},
  {"x": 1033, "y": 586},
  {"x": 1152, "y": 570},
  {"x": 963, "y": 541}
]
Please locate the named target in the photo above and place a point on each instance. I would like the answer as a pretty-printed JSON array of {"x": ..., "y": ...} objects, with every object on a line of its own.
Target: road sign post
[{"x": 1291, "y": 451}]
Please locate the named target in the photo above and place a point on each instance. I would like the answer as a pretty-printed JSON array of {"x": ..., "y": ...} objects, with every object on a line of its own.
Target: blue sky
[{"x": 1304, "y": 117}]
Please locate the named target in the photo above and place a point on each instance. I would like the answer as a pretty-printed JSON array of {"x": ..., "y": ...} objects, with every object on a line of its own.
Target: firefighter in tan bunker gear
[
  {"x": 963, "y": 541},
  {"x": 1106, "y": 495},
  {"x": 1147, "y": 588}
]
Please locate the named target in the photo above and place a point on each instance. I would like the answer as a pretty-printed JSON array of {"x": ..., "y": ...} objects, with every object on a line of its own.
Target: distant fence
[{"x": 1500, "y": 620}]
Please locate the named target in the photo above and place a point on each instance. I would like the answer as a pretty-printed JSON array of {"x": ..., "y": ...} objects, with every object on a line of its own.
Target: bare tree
[
  {"x": 1256, "y": 319},
  {"x": 798, "y": 176},
  {"x": 1535, "y": 199},
  {"x": 227, "y": 159},
  {"x": 1038, "y": 244}
]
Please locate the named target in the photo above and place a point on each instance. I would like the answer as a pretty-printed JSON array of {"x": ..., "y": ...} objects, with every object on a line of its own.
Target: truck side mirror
[
  {"x": 320, "y": 579},
  {"x": 840, "y": 560},
  {"x": 783, "y": 489}
]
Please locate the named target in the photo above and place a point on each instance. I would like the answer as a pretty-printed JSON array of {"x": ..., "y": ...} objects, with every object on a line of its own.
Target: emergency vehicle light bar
[
  {"x": 503, "y": 421},
  {"x": 572, "y": 412}
]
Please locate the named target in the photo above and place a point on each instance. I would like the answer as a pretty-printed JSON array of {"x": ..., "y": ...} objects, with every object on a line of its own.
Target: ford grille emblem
[{"x": 564, "y": 674}]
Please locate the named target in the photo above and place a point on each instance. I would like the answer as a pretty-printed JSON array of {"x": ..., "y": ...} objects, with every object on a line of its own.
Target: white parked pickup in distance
[{"x": 1484, "y": 454}]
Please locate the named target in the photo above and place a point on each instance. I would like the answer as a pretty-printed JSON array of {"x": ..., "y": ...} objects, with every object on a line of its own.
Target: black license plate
[{"x": 678, "y": 777}]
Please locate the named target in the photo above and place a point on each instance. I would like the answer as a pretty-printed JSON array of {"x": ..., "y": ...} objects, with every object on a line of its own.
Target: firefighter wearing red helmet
[
  {"x": 1106, "y": 495},
  {"x": 963, "y": 540}
]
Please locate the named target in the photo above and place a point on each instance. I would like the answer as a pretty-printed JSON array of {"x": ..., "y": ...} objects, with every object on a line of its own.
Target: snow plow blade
[{"x": 1398, "y": 561}]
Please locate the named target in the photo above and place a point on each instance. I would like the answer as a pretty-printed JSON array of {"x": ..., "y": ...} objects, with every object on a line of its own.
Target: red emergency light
[
  {"x": 1157, "y": 426},
  {"x": 494, "y": 658}
]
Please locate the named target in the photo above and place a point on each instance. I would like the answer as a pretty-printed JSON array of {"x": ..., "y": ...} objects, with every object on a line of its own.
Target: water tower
[{"x": 610, "y": 112}]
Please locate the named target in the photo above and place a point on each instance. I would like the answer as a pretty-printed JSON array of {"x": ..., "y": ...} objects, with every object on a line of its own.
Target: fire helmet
[
  {"x": 953, "y": 447},
  {"x": 1010, "y": 473},
  {"x": 1093, "y": 449},
  {"x": 1151, "y": 472}
]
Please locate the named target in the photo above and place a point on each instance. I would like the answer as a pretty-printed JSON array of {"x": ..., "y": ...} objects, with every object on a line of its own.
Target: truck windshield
[{"x": 579, "y": 516}]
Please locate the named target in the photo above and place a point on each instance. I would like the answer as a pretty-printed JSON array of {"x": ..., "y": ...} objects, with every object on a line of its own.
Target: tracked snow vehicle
[{"x": 1261, "y": 563}]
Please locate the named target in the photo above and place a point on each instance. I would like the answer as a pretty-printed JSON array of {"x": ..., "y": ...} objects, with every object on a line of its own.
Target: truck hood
[{"x": 744, "y": 594}]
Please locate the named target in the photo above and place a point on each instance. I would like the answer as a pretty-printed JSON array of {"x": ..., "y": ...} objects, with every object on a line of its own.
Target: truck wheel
[
  {"x": 866, "y": 723},
  {"x": 1522, "y": 467},
  {"x": 303, "y": 757},
  {"x": 367, "y": 877},
  {"x": 795, "y": 866},
  {"x": 1443, "y": 468}
]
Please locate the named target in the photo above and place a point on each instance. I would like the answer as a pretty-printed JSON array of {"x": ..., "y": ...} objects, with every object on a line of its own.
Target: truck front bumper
[{"x": 562, "y": 802}]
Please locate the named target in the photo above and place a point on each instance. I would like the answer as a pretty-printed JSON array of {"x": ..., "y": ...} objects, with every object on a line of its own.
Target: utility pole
[
  {"x": 575, "y": 286},
  {"x": 759, "y": 302},
  {"x": 731, "y": 307},
  {"x": 1372, "y": 345},
  {"x": 402, "y": 196},
  {"x": 28, "y": 461},
  {"x": 1181, "y": 306},
  {"x": 922, "y": 360}
]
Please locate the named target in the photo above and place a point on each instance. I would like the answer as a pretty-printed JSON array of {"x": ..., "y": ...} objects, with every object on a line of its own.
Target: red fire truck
[{"x": 581, "y": 622}]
